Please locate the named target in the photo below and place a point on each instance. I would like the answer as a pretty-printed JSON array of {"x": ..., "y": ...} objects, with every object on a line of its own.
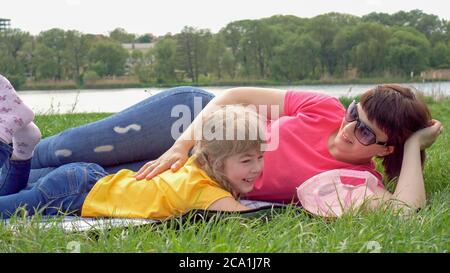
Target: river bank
[
  {"x": 115, "y": 100},
  {"x": 130, "y": 83}
]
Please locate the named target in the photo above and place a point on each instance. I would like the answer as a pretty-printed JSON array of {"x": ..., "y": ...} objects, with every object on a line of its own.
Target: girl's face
[
  {"x": 242, "y": 170},
  {"x": 347, "y": 147}
]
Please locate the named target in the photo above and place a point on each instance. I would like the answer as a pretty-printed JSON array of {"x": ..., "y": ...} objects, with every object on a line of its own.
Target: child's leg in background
[
  {"x": 14, "y": 114},
  {"x": 13, "y": 174},
  {"x": 16, "y": 162},
  {"x": 62, "y": 190},
  {"x": 36, "y": 174},
  {"x": 16, "y": 127},
  {"x": 141, "y": 132}
]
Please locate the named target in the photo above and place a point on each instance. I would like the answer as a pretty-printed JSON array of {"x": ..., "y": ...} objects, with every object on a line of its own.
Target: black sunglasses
[{"x": 363, "y": 133}]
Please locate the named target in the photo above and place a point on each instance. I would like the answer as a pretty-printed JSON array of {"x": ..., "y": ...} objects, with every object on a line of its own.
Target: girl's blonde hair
[{"x": 235, "y": 129}]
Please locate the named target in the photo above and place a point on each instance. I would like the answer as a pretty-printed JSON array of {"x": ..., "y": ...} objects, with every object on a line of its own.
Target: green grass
[{"x": 289, "y": 231}]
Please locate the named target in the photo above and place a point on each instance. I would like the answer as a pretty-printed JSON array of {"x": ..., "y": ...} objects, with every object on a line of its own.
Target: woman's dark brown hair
[{"x": 399, "y": 112}]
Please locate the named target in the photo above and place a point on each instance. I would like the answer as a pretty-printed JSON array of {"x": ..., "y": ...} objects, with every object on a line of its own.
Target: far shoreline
[{"x": 89, "y": 86}]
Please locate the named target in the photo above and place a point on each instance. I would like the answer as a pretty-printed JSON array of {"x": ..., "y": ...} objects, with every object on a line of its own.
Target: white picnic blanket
[{"x": 80, "y": 224}]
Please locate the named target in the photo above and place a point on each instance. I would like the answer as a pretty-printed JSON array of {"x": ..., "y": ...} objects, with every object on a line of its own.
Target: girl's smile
[{"x": 243, "y": 169}]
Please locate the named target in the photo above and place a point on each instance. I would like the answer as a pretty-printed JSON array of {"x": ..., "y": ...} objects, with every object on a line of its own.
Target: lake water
[{"x": 76, "y": 101}]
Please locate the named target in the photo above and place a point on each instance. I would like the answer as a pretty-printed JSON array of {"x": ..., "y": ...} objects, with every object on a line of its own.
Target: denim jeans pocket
[
  {"x": 94, "y": 172},
  {"x": 70, "y": 179}
]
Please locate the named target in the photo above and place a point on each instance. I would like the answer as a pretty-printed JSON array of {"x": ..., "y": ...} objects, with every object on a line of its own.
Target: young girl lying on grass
[{"x": 217, "y": 173}]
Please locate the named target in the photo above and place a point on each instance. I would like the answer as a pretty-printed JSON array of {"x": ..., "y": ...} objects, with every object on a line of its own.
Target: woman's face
[
  {"x": 243, "y": 169},
  {"x": 346, "y": 146}
]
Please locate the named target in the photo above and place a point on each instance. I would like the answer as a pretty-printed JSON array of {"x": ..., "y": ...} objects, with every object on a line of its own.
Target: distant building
[
  {"x": 5, "y": 24},
  {"x": 435, "y": 74},
  {"x": 144, "y": 47},
  {"x": 130, "y": 47}
]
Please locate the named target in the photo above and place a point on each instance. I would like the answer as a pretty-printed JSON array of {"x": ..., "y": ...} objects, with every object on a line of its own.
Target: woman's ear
[{"x": 386, "y": 151}]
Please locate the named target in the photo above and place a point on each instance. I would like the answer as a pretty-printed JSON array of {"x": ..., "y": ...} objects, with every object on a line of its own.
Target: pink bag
[{"x": 325, "y": 194}]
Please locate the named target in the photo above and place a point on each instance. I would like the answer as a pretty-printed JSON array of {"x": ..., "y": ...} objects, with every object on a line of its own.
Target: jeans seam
[
  {"x": 85, "y": 179},
  {"x": 95, "y": 172},
  {"x": 53, "y": 197}
]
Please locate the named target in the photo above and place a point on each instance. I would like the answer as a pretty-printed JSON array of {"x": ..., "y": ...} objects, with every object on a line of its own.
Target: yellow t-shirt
[{"x": 168, "y": 194}]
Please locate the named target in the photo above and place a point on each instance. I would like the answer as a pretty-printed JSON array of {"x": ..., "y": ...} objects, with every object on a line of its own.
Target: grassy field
[{"x": 288, "y": 231}]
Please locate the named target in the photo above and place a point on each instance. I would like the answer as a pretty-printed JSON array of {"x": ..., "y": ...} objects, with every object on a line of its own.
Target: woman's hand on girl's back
[
  {"x": 174, "y": 158},
  {"x": 427, "y": 136}
]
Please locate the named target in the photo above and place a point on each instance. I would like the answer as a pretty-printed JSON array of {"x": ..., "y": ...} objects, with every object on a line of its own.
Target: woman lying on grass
[
  {"x": 219, "y": 171},
  {"x": 317, "y": 134},
  {"x": 314, "y": 133}
]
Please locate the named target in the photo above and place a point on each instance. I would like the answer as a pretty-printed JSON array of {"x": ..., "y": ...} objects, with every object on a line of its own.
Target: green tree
[
  {"x": 252, "y": 43},
  {"x": 379, "y": 17},
  {"x": 108, "y": 58},
  {"x": 165, "y": 53},
  {"x": 343, "y": 43},
  {"x": 216, "y": 54},
  {"x": 369, "y": 52},
  {"x": 146, "y": 38},
  {"x": 15, "y": 55},
  {"x": 428, "y": 24},
  {"x": 192, "y": 50},
  {"x": 122, "y": 36},
  {"x": 323, "y": 29},
  {"x": 296, "y": 58},
  {"x": 45, "y": 63},
  {"x": 259, "y": 43},
  {"x": 408, "y": 51},
  {"x": 232, "y": 35},
  {"x": 287, "y": 24},
  {"x": 136, "y": 57},
  {"x": 144, "y": 69},
  {"x": 440, "y": 56},
  {"x": 229, "y": 63},
  {"x": 241, "y": 36},
  {"x": 50, "y": 54},
  {"x": 76, "y": 53}
]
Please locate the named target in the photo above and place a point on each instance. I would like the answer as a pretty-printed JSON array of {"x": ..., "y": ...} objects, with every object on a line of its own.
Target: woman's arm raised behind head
[{"x": 410, "y": 189}]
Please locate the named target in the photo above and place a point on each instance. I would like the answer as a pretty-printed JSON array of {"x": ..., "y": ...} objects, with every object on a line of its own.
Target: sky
[{"x": 162, "y": 16}]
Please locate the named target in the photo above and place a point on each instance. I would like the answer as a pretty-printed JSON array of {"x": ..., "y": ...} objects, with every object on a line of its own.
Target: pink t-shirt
[{"x": 309, "y": 119}]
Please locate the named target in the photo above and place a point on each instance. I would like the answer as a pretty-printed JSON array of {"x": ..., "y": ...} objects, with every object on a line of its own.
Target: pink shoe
[{"x": 14, "y": 114}]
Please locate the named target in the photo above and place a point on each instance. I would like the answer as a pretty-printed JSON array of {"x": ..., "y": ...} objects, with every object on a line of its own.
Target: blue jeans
[
  {"x": 13, "y": 174},
  {"x": 125, "y": 140},
  {"x": 64, "y": 189}
]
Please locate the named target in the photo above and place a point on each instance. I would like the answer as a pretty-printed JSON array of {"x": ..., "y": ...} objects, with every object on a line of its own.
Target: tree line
[{"x": 281, "y": 48}]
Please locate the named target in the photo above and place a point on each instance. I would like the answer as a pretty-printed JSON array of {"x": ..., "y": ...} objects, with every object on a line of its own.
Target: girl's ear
[{"x": 386, "y": 151}]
